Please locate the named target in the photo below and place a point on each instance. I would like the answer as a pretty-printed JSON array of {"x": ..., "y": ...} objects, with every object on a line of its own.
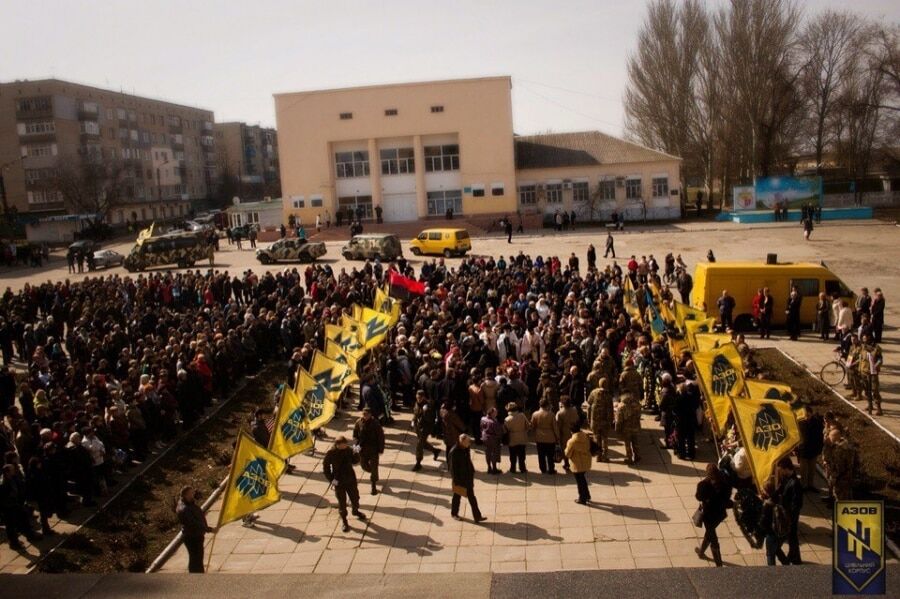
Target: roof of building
[
  {"x": 400, "y": 84},
  {"x": 89, "y": 87},
  {"x": 583, "y": 148}
]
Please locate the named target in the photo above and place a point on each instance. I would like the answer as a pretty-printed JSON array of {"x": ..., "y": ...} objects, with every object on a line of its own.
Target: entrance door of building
[{"x": 400, "y": 207}]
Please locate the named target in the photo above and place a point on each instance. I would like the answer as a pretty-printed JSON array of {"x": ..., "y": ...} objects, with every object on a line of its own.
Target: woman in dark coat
[
  {"x": 714, "y": 495},
  {"x": 823, "y": 316}
]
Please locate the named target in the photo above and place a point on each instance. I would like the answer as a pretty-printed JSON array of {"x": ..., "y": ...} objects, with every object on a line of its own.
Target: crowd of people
[{"x": 508, "y": 352}]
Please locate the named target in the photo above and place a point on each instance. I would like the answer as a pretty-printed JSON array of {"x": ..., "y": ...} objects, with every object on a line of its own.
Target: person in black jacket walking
[
  {"x": 369, "y": 435},
  {"x": 338, "y": 469},
  {"x": 462, "y": 472},
  {"x": 790, "y": 493},
  {"x": 714, "y": 495},
  {"x": 193, "y": 528}
]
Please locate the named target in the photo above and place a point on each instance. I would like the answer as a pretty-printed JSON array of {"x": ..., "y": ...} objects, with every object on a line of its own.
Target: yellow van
[
  {"x": 448, "y": 242},
  {"x": 743, "y": 279}
]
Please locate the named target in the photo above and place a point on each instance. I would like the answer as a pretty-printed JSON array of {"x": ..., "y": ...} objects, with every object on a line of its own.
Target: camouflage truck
[
  {"x": 182, "y": 249},
  {"x": 384, "y": 246},
  {"x": 285, "y": 250}
]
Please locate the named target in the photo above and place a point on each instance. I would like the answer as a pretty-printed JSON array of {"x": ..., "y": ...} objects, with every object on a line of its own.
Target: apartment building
[
  {"x": 418, "y": 149},
  {"x": 250, "y": 153},
  {"x": 166, "y": 152}
]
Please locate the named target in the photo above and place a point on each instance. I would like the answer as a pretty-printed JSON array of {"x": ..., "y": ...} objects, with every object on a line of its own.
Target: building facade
[
  {"x": 413, "y": 150},
  {"x": 165, "y": 152},
  {"x": 418, "y": 149},
  {"x": 250, "y": 153}
]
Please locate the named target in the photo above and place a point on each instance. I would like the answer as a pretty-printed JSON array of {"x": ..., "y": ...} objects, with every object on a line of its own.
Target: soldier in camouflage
[
  {"x": 870, "y": 360},
  {"x": 601, "y": 417}
]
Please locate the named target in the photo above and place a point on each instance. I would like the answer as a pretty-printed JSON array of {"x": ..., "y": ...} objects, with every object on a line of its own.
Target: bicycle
[{"x": 834, "y": 372}]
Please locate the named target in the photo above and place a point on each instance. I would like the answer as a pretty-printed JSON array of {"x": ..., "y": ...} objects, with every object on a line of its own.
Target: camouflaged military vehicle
[
  {"x": 285, "y": 250},
  {"x": 368, "y": 246},
  {"x": 182, "y": 249}
]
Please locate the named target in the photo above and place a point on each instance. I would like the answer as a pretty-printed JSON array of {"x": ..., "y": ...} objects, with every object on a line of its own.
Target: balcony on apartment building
[
  {"x": 175, "y": 125},
  {"x": 29, "y": 135},
  {"x": 88, "y": 111},
  {"x": 177, "y": 142},
  {"x": 38, "y": 107}
]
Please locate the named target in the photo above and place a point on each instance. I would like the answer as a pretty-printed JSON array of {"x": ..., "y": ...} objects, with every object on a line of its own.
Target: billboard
[
  {"x": 744, "y": 198},
  {"x": 792, "y": 192}
]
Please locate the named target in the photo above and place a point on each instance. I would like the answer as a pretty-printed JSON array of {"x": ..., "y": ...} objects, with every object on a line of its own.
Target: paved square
[{"x": 640, "y": 517}]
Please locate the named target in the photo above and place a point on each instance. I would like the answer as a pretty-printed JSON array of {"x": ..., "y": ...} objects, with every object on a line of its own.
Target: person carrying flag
[
  {"x": 193, "y": 528},
  {"x": 338, "y": 469}
]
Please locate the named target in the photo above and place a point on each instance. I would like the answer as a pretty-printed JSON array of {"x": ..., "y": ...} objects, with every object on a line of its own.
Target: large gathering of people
[{"x": 510, "y": 352}]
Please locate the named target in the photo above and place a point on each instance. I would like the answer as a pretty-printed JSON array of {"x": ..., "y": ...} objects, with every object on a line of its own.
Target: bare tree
[
  {"x": 830, "y": 45},
  {"x": 91, "y": 188}
]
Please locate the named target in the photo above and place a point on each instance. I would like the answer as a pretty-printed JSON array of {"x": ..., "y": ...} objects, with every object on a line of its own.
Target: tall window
[
  {"x": 607, "y": 189},
  {"x": 441, "y": 201},
  {"x": 442, "y": 158},
  {"x": 554, "y": 193},
  {"x": 632, "y": 189},
  {"x": 397, "y": 161},
  {"x": 660, "y": 187},
  {"x": 527, "y": 195},
  {"x": 580, "y": 191},
  {"x": 351, "y": 164}
]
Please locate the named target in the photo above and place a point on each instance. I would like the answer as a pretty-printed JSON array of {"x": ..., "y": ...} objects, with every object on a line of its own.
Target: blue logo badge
[
  {"x": 858, "y": 548},
  {"x": 253, "y": 483},
  {"x": 293, "y": 428}
]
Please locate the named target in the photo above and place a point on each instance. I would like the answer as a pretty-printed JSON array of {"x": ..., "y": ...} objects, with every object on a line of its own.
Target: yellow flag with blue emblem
[
  {"x": 760, "y": 389},
  {"x": 387, "y": 305},
  {"x": 319, "y": 409},
  {"x": 768, "y": 430},
  {"x": 721, "y": 375},
  {"x": 629, "y": 299},
  {"x": 253, "y": 480},
  {"x": 329, "y": 373},
  {"x": 710, "y": 341},
  {"x": 291, "y": 434},
  {"x": 346, "y": 338},
  {"x": 684, "y": 313},
  {"x": 356, "y": 312},
  {"x": 692, "y": 328},
  {"x": 373, "y": 327},
  {"x": 334, "y": 351}
]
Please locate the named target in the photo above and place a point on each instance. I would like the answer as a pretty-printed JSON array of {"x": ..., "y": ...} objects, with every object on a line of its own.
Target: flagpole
[{"x": 212, "y": 545}]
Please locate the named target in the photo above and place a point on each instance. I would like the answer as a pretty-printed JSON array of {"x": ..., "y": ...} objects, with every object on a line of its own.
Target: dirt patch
[
  {"x": 878, "y": 474},
  {"x": 136, "y": 527}
]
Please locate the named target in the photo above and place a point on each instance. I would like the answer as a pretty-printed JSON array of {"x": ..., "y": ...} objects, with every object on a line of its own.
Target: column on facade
[
  {"x": 421, "y": 193},
  {"x": 375, "y": 173}
]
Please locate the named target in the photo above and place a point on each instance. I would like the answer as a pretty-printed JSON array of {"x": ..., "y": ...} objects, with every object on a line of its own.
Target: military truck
[
  {"x": 368, "y": 246},
  {"x": 182, "y": 249},
  {"x": 285, "y": 250}
]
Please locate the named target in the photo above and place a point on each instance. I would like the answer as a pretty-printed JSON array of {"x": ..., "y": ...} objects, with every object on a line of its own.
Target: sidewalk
[{"x": 640, "y": 518}]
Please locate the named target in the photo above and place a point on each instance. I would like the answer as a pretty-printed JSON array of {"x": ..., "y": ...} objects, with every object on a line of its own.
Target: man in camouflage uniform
[
  {"x": 630, "y": 382},
  {"x": 606, "y": 366},
  {"x": 423, "y": 425},
  {"x": 839, "y": 461},
  {"x": 601, "y": 417},
  {"x": 645, "y": 367},
  {"x": 853, "y": 378},
  {"x": 628, "y": 424},
  {"x": 870, "y": 360}
]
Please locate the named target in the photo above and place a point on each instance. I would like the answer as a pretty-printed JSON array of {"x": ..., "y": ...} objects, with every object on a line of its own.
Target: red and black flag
[{"x": 403, "y": 287}]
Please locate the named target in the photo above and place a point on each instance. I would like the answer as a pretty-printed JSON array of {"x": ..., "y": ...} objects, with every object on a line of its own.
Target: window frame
[
  {"x": 555, "y": 191},
  {"x": 581, "y": 188},
  {"x": 659, "y": 186},
  {"x": 441, "y": 158},
  {"x": 527, "y": 194},
  {"x": 629, "y": 188}
]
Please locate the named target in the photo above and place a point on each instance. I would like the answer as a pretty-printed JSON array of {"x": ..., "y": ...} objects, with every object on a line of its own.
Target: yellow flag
[
  {"x": 676, "y": 346},
  {"x": 319, "y": 409},
  {"x": 346, "y": 338},
  {"x": 695, "y": 327},
  {"x": 332, "y": 375},
  {"x": 629, "y": 300},
  {"x": 710, "y": 341},
  {"x": 373, "y": 326},
  {"x": 666, "y": 312},
  {"x": 253, "y": 480},
  {"x": 291, "y": 434},
  {"x": 387, "y": 305},
  {"x": 334, "y": 351},
  {"x": 759, "y": 389},
  {"x": 721, "y": 374},
  {"x": 768, "y": 430},
  {"x": 684, "y": 313},
  {"x": 356, "y": 312}
]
